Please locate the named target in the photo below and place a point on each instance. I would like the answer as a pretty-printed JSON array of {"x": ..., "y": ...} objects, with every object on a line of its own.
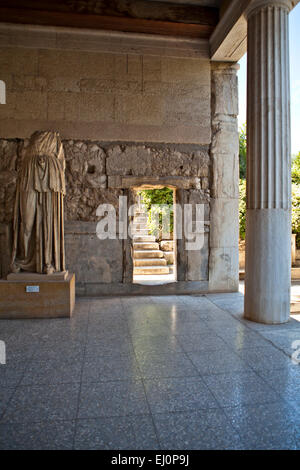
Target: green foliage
[
  {"x": 296, "y": 212},
  {"x": 152, "y": 199},
  {"x": 242, "y": 151},
  {"x": 242, "y": 208},
  {"x": 295, "y": 188},
  {"x": 296, "y": 169}
]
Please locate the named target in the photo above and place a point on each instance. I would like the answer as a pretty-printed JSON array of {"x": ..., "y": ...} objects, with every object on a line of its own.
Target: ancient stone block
[
  {"x": 8, "y": 155},
  {"x": 225, "y": 93},
  {"x": 139, "y": 108},
  {"x": 71, "y": 105},
  {"x": 97, "y": 86},
  {"x": 143, "y": 160},
  {"x": 152, "y": 68},
  {"x": 18, "y": 60},
  {"x": 5, "y": 252},
  {"x": 174, "y": 70},
  {"x": 225, "y": 180},
  {"x": 204, "y": 183},
  {"x": 182, "y": 182},
  {"x": 95, "y": 107},
  {"x": 197, "y": 269},
  {"x": 91, "y": 259},
  {"x": 75, "y": 64},
  {"x": 8, "y": 181},
  {"x": 30, "y": 105},
  {"x": 224, "y": 223},
  {"x": 56, "y": 106},
  {"x": 29, "y": 83},
  {"x": 169, "y": 256},
  {"x": 167, "y": 245},
  {"x": 7, "y": 111},
  {"x": 198, "y": 196},
  {"x": 63, "y": 84},
  {"x": 86, "y": 180},
  {"x": 187, "y": 109},
  {"x": 224, "y": 269},
  {"x": 225, "y": 137}
]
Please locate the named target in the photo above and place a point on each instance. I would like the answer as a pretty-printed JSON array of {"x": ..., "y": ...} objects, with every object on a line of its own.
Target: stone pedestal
[
  {"x": 268, "y": 221},
  {"x": 37, "y": 296}
]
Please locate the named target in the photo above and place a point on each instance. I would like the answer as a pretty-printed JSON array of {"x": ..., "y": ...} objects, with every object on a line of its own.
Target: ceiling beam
[
  {"x": 228, "y": 41},
  {"x": 113, "y": 23},
  {"x": 139, "y": 9}
]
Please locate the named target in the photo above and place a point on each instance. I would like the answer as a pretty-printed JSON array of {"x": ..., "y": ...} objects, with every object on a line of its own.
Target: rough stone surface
[
  {"x": 90, "y": 164},
  {"x": 89, "y": 183},
  {"x": 9, "y": 155},
  {"x": 147, "y": 161},
  {"x": 5, "y": 251},
  {"x": 167, "y": 245},
  {"x": 224, "y": 223}
]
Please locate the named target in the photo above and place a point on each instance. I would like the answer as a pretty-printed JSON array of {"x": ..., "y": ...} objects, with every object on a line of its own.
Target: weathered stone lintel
[{"x": 126, "y": 182}]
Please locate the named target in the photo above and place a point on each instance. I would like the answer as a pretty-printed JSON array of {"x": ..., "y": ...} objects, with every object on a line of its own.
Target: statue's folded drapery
[{"x": 38, "y": 244}]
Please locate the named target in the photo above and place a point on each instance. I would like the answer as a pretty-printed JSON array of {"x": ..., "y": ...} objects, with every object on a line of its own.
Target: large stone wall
[
  {"x": 127, "y": 118},
  {"x": 105, "y": 96},
  {"x": 92, "y": 169}
]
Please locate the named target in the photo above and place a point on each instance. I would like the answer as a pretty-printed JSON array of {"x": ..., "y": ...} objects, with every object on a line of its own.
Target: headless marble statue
[{"x": 38, "y": 229}]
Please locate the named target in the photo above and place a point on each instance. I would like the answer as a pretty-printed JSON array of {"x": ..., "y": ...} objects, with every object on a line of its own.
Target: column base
[{"x": 268, "y": 266}]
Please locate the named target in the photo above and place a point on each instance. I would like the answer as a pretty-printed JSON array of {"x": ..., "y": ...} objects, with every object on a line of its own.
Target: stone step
[
  {"x": 150, "y": 262},
  {"x": 140, "y": 214},
  {"x": 136, "y": 226},
  {"x": 140, "y": 220},
  {"x": 169, "y": 256},
  {"x": 147, "y": 254},
  {"x": 140, "y": 232},
  {"x": 145, "y": 238},
  {"x": 150, "y": 270},
  {"x": 145, "y": 246}
]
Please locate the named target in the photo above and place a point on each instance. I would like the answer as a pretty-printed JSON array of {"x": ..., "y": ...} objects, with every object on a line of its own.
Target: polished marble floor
[{"x": 173, "y": 372}]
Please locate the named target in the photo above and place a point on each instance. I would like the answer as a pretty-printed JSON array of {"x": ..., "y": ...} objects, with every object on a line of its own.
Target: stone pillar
[
  {"x": 224, "y": 204},
  {"x": 268, "y": 222}
]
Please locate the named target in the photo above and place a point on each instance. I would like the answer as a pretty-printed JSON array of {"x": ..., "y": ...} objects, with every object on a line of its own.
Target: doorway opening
[{"x": 153, "y": 241}]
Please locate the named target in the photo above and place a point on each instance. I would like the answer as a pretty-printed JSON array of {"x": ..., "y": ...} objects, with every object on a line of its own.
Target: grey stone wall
[{"x": 90, "y": 167}]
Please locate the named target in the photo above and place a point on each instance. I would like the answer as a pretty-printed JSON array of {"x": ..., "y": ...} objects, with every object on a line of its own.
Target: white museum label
[{"x": 32, "y": 288}]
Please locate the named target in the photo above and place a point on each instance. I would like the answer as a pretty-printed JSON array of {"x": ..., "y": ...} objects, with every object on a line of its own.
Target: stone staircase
[{"x": 147, "y": 257}]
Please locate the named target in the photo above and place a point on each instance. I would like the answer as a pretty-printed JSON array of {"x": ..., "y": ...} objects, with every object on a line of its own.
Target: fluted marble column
[{"x": 268, "y": 221}]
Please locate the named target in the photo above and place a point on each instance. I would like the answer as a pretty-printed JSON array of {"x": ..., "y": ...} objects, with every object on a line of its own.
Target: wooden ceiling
[{"x": 138, "y": 16}]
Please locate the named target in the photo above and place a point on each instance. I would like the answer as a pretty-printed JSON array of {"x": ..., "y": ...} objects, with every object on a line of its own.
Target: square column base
[{"x": 37, "y": 298}]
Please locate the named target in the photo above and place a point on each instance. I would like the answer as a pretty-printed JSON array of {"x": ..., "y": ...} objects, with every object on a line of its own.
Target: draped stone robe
[{"x": 38, "y": 242}]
